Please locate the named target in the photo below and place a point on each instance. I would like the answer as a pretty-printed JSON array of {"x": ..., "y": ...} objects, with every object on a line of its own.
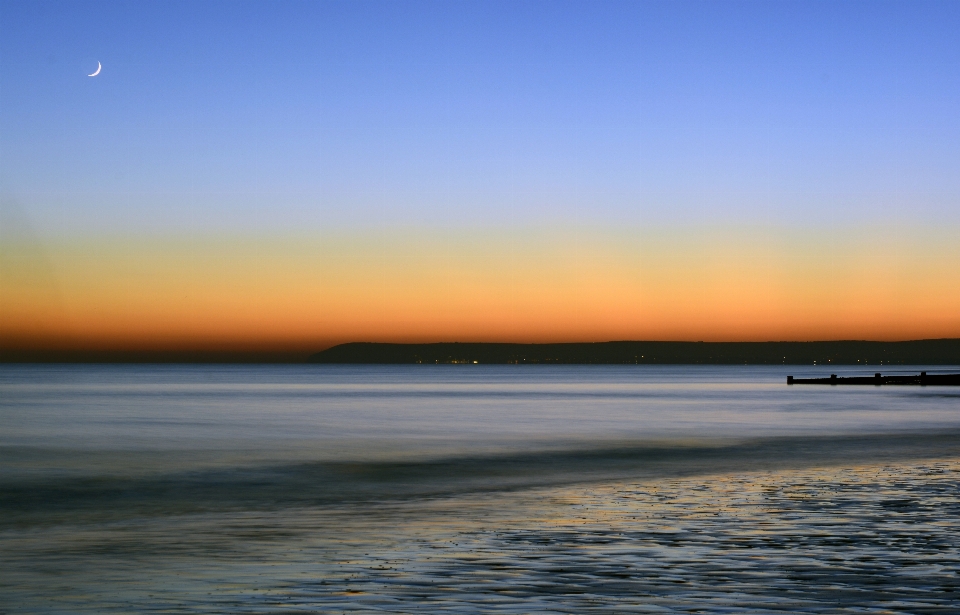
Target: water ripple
[{"x": 867, "y": 538}]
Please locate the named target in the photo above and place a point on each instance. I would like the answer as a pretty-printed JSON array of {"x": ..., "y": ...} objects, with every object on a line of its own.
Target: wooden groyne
[{"x": 921, "y": 379}]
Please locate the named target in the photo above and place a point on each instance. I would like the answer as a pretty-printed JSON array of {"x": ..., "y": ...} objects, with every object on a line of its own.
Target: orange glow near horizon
[{"x": 302, "y": 294}]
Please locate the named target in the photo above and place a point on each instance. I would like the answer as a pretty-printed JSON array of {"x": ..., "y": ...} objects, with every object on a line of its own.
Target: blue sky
[
  {"x": 296, "y": 174},
  {"x": 249, "y": 116}
]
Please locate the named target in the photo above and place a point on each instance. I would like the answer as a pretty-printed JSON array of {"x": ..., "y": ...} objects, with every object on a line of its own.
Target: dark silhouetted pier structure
[{"x": 921, "y": 379}]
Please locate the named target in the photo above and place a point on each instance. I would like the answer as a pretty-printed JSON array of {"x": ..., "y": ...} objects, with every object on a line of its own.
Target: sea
[{"x": 475, "y": 489}]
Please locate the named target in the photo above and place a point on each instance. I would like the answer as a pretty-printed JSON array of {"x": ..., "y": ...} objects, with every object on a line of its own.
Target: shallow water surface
[{"x": 474, "y": 489}]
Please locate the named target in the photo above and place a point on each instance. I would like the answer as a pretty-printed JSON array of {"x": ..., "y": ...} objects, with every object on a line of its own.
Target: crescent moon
[{"x": 96, "y": 72}]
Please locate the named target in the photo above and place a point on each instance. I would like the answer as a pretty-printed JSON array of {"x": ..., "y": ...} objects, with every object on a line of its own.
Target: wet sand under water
[{"x": 878, "y": 537}]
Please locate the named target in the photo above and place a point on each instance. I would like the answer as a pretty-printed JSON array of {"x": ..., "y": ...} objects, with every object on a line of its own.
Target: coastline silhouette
[{"x": 917, "y": 352}]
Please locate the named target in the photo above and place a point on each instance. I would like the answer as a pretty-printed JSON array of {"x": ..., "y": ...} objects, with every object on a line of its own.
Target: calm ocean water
[{"x": 516, "y": 489}]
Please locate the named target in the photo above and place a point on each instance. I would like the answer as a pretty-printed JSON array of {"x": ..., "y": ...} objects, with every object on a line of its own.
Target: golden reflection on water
[{"x": 882, "y": 537}]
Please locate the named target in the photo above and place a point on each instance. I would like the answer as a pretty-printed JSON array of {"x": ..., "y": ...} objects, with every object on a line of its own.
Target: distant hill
[{"x": 918, "y": 352}]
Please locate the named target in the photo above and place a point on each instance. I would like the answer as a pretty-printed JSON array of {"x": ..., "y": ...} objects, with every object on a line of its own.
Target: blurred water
[
  {"x": 340, "y": 412},
  {"x": 474, "y": 488}
]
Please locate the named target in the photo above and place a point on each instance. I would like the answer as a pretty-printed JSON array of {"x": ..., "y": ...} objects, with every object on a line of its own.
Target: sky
[{"x": 283, "y": 176}]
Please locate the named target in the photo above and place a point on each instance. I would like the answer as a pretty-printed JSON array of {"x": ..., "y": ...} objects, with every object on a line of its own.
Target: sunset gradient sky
[{"x": 282, "y": 176}]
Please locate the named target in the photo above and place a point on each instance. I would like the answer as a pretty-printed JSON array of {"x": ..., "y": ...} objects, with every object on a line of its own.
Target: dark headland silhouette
[{"x": 917, "y": 352}]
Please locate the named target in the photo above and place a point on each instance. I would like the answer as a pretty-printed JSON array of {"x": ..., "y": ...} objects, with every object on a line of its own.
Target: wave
[{"x": 32, "y": 498}]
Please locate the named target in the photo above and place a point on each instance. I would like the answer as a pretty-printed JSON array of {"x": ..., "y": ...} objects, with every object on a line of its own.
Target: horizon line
[{"x": 275, "y": 355}]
